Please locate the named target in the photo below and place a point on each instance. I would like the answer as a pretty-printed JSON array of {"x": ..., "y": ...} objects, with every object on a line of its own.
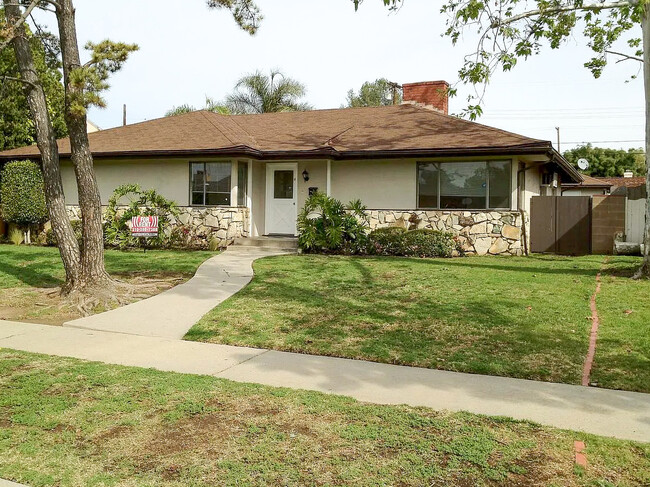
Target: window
[
  {"x": 210, "y": 183},
  {"x": 242, "y": 183},
  {"x": 283, "y": 184},
  {"x": 464, "y": 185}
]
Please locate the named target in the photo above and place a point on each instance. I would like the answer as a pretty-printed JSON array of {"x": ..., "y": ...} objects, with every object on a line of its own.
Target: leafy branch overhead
[
  {"x": 107, "y": 57},
  {"x": 510, "y": 30},
  {"x": 245, "y": 12}
]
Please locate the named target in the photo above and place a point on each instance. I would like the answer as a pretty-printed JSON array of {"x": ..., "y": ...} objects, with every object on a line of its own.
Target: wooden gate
[{"x": 560, "y": 224}]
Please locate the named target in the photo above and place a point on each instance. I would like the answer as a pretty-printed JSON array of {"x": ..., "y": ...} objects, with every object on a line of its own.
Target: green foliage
[
  {"x": 16, "y": 125},
  {"x": 326, "y": 225},
  {"x": 91, "y": 79},
  {"x": 414, "y": 243},
  {"x": 387, "y": 241},
  {"x": 210, "y": 105},
  {"x": 608, "y": 162},
  {"x": 245, "y": 12},
  {"x": 511, "y": 30},
  {"x": 140, "y": 203},
  {"x": 373, "y": 94},
  {"x": 258, "y": 93},
  {"x": 16, "y": 236},
  {"x": 22, "y": 197}
]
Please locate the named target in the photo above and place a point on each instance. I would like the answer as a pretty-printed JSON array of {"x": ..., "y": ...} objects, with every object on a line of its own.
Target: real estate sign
[{"x": 144, "y": 226}]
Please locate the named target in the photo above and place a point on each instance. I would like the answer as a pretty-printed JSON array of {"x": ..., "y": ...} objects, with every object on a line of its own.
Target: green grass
[
  {"x": 517, "y": 317},
  {"x": 65, "y": 422},
  {"x": 623, "y": 351},
  {"x": 41, "y": 267}
]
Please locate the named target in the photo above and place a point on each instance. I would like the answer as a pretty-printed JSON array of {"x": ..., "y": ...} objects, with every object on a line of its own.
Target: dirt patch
[{"x": 46, "y": 306}]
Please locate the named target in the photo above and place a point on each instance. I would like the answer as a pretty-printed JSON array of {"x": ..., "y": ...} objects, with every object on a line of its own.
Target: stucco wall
[
  {"x": 378, "y": 184},
  {"x": 168, "y": 176},
  {"x": 258, "y": 198},
  {"x": 317, "y": 179}
]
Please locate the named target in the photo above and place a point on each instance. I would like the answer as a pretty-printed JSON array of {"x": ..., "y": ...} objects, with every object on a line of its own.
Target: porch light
[{"x": 305, "y": 175}]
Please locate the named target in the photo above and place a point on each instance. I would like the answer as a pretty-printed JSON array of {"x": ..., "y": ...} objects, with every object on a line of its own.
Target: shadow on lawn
[
  {"x": 475, "y": 335},
  {"x": 35, "y": 270}
]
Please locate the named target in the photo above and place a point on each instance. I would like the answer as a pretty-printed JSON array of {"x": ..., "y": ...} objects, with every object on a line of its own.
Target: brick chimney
[{"x": 429, "y": 94}]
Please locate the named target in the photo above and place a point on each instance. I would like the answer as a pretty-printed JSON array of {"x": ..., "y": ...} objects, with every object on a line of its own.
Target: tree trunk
[
  {"x": 92, "y": 271},
  {"x": 644, "y": 271},
  {"x": 46, "y": 141}
]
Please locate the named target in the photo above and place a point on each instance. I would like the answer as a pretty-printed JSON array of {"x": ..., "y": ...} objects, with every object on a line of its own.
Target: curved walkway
[{"x": 172, "y": 313}]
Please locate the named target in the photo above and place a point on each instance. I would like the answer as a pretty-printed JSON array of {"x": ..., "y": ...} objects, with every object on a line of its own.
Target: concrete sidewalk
[
  {"x": 172, "y": 313},
  {"x": 618, "y": 414}
]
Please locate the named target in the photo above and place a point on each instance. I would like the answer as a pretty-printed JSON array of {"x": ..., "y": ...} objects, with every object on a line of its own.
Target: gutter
[{"x": 328, "y": 153}]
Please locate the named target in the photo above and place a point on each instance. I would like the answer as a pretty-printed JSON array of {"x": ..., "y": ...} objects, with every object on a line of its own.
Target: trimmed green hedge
[
  {"x": 413, "y": 243},
  {"x": 22, "y": 196}
]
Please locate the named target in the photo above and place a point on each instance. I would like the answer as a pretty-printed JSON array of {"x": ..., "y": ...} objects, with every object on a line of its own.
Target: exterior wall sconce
[{"x": 305, "y": 175}]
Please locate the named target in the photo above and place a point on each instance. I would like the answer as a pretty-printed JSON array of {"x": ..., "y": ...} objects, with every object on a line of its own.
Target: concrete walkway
[
  {"x": 624, "y": 415},
  {"x": 172, "y": 313}
]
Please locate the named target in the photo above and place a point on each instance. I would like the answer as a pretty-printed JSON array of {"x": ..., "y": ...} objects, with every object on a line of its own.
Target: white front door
[{"x": 281, "y": 198}]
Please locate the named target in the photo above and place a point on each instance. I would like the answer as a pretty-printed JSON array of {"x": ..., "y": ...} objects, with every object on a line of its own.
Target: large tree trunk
[
  {"x": 645, "y": 26},
  {"x": 46, "y": 142},
  {"x": 92, "y": 271}
]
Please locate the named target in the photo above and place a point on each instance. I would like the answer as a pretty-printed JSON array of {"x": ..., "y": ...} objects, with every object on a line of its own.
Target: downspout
[{"x": 522, "y": 212}]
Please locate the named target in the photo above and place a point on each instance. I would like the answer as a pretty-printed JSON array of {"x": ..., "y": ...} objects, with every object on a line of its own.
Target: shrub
[
  {"x": 326, "y": 225},
  {"x": 16, "y": 236},
  {"x": 429, "y": 243},
  {"x": 387, "y": 241},
  {"x": 22, "y": 197},
  {"x": 140, "y": 203},
  {"x": 415, "y": 243}
]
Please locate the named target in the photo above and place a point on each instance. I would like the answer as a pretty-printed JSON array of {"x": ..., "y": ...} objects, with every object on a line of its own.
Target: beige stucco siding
[
  {"x": 169, "y": 177},
  {"x": 317, "y": 171},
  {"x": 378, "y": 184},
  {"x": 258, "y": 198}
]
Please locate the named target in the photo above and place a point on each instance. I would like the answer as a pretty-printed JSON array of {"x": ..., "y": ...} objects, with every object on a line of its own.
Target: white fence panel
[{"x": 635, "y": 220}]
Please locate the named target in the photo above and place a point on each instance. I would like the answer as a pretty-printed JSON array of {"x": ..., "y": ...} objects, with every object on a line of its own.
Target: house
[
  {"x": 589, "y": 186},
  {"x": 248, "y": 175}
]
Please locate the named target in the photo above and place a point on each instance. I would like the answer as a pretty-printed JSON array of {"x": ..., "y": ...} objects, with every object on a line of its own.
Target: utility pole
[
  {"x": 558, "y": 139},
  {"x": 124, "y": 114},
  {"x": 394, "y": 86}
]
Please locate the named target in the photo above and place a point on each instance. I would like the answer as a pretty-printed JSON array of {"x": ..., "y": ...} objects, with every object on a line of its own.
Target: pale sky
[{"x": 188, "y": 52}]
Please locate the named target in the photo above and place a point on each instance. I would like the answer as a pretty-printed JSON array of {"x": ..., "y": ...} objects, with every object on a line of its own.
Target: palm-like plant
[{"x": 258, "y": 93}]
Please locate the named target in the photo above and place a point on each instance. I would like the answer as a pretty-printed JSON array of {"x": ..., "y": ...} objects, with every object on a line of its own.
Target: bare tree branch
[
  {"x": 557, "y": 10},
  {"x": 18, "y": 23},
  {"x": 626, "y": 57}
]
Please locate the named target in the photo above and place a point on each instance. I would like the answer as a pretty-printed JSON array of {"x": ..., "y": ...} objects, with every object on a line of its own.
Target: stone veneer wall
[
  {"x": 479, "y": 232},
  {"x": 204, "y": 223}
]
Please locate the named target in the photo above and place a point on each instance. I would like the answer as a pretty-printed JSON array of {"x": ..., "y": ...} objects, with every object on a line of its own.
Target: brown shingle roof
[
  {"x": 354, "y": 130},
  {"x": 634, "y": 182}
]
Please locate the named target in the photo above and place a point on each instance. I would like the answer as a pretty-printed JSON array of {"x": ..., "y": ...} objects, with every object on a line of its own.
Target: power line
[{"x": 604, "y": 141}]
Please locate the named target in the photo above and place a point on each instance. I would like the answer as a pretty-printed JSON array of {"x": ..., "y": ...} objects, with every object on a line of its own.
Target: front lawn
[
  {"x": 66, "y": 422},
  {"x": 510, "y": 316},
  {"x": 28, "y": 274}
]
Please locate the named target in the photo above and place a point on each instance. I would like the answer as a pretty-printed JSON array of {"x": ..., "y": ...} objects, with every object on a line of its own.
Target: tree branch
[
  {"x": 557, "y": 10},
  {"x": 18, "y": 23},
  {"x": 19, "y": 80},
  {"x": 626, "y": 57}
]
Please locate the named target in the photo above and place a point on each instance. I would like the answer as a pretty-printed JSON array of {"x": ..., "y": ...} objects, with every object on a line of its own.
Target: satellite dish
[{"x": 583, "y": 164}]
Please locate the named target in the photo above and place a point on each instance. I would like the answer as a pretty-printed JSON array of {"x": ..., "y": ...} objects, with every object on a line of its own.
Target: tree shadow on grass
[{"x": 35, "y": 270}]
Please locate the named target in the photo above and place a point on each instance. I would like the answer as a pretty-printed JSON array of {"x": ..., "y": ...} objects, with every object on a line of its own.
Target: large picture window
[
  {"x": 210, "y": 183},
  {"x": 464, "y": 185}
]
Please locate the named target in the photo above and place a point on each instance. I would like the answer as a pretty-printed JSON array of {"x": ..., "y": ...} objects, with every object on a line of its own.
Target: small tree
[
  {"x": 130, "y": 200},
  {"x": 380, "y": 92},
  {"x": 22, "y": 197},
  {"x": 258, "y": 93}
]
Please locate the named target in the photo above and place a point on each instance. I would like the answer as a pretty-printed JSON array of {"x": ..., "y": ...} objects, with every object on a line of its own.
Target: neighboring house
[
  {"x": 248, "y": 175},
  {"x": 589, "y": 186}
]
